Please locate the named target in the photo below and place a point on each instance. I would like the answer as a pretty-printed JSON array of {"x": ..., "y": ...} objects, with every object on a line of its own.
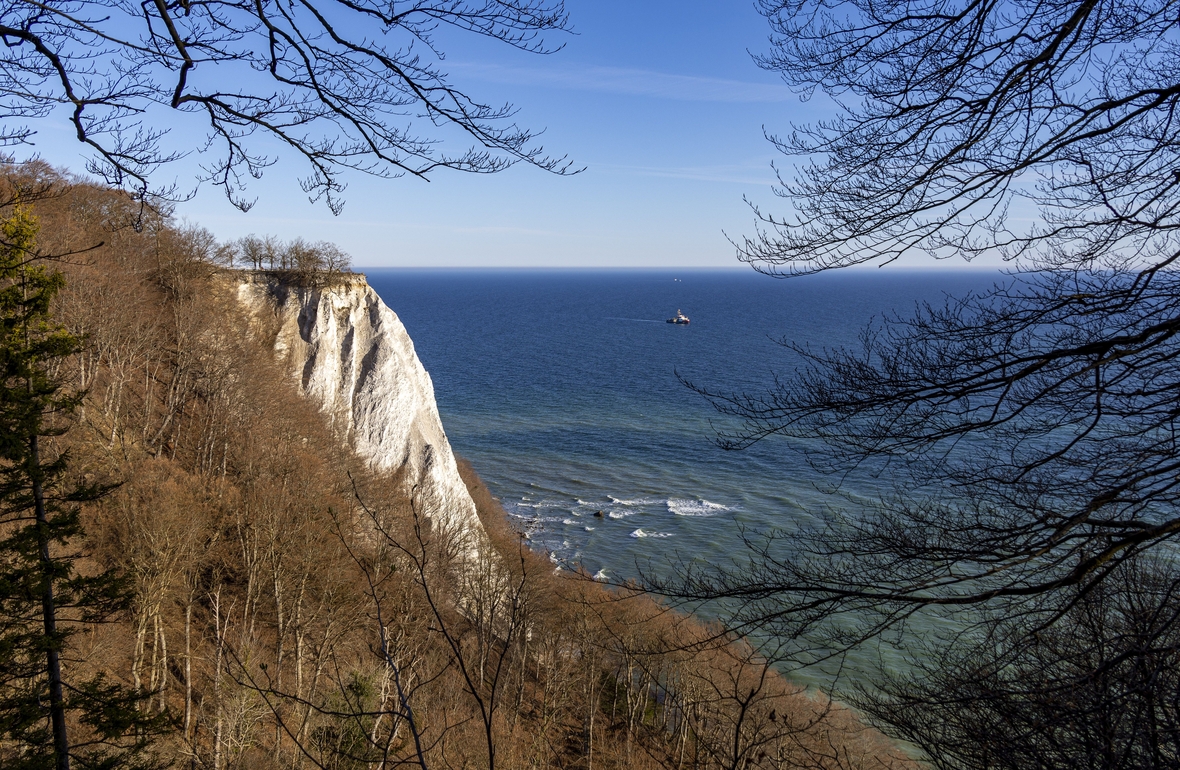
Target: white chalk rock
[{"x": 351, "y": 354}]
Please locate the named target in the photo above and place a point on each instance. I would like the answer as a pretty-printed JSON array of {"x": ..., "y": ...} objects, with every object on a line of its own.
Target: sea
[{"x": 566, "y": 391}]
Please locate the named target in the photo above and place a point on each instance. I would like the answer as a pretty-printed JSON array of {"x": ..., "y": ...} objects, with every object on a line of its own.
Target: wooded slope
[{"x": 291, "y": 609}]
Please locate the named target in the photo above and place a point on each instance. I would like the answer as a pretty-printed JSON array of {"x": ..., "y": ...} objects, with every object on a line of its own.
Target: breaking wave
[
  {"x": 696, "y": 507},
  {"x": 635, "y": 502},
  {"x": 645, "y": 533}
]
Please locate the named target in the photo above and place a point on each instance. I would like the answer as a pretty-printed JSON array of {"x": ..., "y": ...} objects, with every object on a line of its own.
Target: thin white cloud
[
  {"x": 632, "y": 82},
  {"x": 734, "y": 174}
]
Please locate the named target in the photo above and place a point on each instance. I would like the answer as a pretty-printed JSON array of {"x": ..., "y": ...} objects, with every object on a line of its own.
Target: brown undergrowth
[{"x": 673, "y": 691}]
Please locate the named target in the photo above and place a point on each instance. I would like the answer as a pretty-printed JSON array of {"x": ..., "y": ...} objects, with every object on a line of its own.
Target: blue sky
[{"x": 659, "y": 100}]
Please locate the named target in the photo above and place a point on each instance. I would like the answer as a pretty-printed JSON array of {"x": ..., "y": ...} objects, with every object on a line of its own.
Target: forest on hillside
[{"x": 267, "y": 601}]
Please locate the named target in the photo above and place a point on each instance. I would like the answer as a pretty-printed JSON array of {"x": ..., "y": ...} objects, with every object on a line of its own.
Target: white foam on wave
[
  {"x": 620, "y": 514},
  {"x": 539, "y": 504},
  {"x": 636, "y": 501},
  {"x": 644, "y": 533},
  {"x": 588, "y": 529},
  {"x": 696, "y": 508},
  {"x": 568, "y": 521},
  {"x": 600, "y": 574}
]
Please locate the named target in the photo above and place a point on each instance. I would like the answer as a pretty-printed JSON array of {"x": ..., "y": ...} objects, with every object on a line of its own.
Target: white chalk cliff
[{"x": 351, "y": 354}]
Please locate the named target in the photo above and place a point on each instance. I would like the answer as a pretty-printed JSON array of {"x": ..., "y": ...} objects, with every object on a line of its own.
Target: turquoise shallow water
[{"x": 561, "y": 388}]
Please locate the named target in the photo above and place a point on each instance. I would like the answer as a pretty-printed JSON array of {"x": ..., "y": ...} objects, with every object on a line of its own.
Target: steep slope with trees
[
  {"x": 288, "y": 606},
  {"x": 44, "y": 598}
]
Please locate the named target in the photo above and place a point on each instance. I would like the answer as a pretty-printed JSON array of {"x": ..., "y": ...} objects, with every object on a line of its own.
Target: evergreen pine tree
[{"x": 49, "y": 716}]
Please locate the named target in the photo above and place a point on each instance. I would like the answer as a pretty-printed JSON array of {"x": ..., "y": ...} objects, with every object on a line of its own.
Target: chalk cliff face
[{"x": 351, "y": 354}]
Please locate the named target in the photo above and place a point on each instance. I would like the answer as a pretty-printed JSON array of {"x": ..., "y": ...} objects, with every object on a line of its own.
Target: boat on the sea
[{"x": 680, "y": 318}]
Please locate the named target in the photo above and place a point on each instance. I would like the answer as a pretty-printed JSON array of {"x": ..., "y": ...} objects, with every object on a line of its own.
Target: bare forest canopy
[{"x": 285, "y": 607}]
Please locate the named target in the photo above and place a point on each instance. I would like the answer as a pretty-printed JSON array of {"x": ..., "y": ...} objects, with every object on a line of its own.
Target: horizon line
[{"x": 696, "y": 268}]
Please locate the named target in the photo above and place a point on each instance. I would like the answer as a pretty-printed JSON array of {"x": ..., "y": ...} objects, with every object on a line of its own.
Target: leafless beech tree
[
  {"x": 1031, "y": 428},
  {"x": 1028, "y": 432},
  {"x": 344, "y": 84},
  {"x": 961, "y": 119},
  {"x": 1096, "y": 689}
]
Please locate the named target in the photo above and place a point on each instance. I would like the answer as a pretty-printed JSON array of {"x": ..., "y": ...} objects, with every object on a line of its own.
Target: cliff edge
[{"x": 351, "y": 354}]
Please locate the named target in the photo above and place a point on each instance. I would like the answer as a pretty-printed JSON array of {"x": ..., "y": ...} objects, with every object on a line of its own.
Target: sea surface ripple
[{"x": 563, "y": 388}]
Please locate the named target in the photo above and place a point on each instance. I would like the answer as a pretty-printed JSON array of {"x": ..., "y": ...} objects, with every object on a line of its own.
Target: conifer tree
[{"x": 49, "y": 715}]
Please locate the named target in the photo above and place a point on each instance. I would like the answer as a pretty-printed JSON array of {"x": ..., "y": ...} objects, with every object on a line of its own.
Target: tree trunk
[
  {"x": 188, "y": 667},
  {"x": 219, "y": 630},
  {"x": 57, "y": 710}
]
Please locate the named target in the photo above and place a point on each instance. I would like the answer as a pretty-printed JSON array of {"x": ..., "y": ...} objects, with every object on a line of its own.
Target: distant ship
[{"x": 680, "y": 318}]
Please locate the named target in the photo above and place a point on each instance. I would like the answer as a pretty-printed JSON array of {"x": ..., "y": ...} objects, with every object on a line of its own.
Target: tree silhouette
[
  {"x": 1024, "y": 437},
  {"x": 342, "y": 84},
  {"x": 1029, "y": 430}
]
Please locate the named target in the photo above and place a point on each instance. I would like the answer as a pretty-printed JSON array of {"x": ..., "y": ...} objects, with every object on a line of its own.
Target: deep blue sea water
[{"x": 561, "y": 388}]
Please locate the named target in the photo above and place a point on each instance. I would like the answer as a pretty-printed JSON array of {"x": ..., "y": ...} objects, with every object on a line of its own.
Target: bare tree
[
  {"x": 477, "y": 604},
  {"x": 257, "y": 253},
  {"x": 1095, "y": 689},
  {"x": 299, "y": 259},
  {"x": 1028, "y": 428},
  {"x": 1027, "y": 432},
  {"x": 343, "y": 85},
  {"x": 1035, "y": 131}
]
